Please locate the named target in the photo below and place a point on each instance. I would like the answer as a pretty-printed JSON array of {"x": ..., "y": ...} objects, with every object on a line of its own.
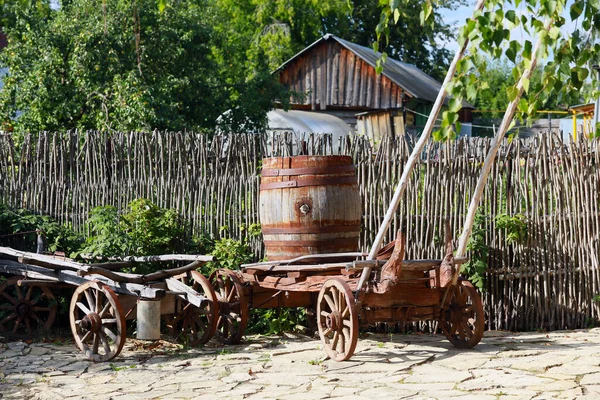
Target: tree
[
  {"x": 277, "y": 29},
  {"x": 268, "y": 32},
  {"x": 408, "y": 41},
  {"x": 121, "y": 64},
  {"x": 564, "y": 75}
]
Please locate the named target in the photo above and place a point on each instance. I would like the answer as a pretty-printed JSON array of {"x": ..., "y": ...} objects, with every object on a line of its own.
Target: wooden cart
[
  {"x": 103, "y": 299},
  {"x": 396, "y": 291}
]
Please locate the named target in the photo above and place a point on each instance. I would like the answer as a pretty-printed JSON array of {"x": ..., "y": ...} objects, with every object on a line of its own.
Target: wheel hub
[
  {"x": 22, "y": 309},
  {"x": 224, "y": 307},
  {"x": 334, "y": 321},
  {"x": 454, "y": 313},
  {"x": 91, "y": 322}
]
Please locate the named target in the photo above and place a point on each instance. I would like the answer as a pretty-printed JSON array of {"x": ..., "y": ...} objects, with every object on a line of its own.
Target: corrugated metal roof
[
  {"x": 307, "y": 122},
  {"x": 416, "y": 82}
]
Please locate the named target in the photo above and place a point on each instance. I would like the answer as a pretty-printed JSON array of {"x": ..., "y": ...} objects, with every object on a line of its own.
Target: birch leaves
[{"x": 568, "y": 36}]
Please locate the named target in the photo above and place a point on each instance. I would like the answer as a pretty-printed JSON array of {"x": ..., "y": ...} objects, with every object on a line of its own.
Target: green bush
[
  {"x": 152, "y": 229},
  {"x": 276, "y": 321},
  {"x": 106, "y": 235},
  {"x": 58, "y": 237},
  {"x": 515, "y": 227},
  {"x": 145, "y": 229},
  {"x": 474, "y": 269}
]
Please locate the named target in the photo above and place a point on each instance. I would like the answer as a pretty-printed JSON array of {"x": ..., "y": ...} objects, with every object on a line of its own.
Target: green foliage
[
  {"x": 123, "y": 65},
  {"x": 474, "y": 269},
  {"x": 229, "y": 254},
  {"x": 58, "y": 237},
  {"x": 407, "y": 40},
  {"x": 276, "y": 321},
  {"x": 271, "y": 31},
  {"x": 515, "y": 227},
  {"x": 145, "y": 229},
  {"x": 498, "y": 77},
  {"x": 106, "y": 238},
  {"x": 491, "y": 36},
  {"x": 151, "y": 229},
  {"x": 40, "y": 8}
]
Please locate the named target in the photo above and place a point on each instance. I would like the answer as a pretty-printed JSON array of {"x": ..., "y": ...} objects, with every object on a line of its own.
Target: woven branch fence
[{"x": 546, "y": 281}]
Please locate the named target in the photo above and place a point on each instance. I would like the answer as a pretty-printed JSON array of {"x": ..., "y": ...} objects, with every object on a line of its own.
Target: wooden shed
[{"x": 338, "y": 77}]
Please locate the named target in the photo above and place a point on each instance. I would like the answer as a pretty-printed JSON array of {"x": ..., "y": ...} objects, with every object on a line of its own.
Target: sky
[{"x": 459, "y": 16}]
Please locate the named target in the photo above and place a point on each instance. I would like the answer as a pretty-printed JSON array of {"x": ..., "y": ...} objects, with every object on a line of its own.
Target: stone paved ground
[{"x": 504, "y": 366}]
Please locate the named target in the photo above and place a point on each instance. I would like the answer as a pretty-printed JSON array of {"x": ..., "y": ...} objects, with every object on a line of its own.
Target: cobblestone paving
[{"x": 504, "y": 365}]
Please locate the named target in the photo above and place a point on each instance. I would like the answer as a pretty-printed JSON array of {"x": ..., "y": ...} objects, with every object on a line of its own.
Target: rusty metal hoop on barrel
[
  {"x": 232, "y": 305},
  {"x": 193, "y": 325},
  {"x": 462, "y": 318},
  {"x": 337, "y": 319},
  {"x": 97, "y": 321},
  {"x": 25, "y": 311}
]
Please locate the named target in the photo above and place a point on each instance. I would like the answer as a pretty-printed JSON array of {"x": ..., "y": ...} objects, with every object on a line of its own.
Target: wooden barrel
[{"x": 309, "y": 205}]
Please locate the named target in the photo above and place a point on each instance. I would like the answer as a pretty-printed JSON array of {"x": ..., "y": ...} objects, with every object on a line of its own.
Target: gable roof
[{"x": 410, "y": 78}]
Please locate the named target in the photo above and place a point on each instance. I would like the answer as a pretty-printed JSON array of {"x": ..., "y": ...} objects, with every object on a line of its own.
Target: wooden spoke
[
  {"x": 9, "y": 318},
  {"x": 97, "y": 303},
  {"x": 190, "y": 324},
  {"x": 10, "y": 298},
  {"x": 16, "y": 327},
  {"x": 337, "y": 319},
  {"x": 87, "y": 335},
  {"x": 104, "y": 310},
  {"x": 36, "y": 317},
  {"x": 83, "y": 308},
  {"x": 96, "y": 343},
  {"x": 27, "y": 311},
  {"x": 18, "y": 291},
  {"x": 106, "y": 343},
  {"x": 232, "y": 304},
  {"x": 29, "y": 292},
  {"x": 90, "y": 302},
  {"x": 462, "y": 319},
  {"x": 330, "y": 302}
]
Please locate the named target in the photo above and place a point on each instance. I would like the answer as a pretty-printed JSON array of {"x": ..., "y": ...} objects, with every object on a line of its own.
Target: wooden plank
[
  {"x": 136, "y": 278},
  {"x": 71, "y": 278},
  {"x": 190, "y": 295}
]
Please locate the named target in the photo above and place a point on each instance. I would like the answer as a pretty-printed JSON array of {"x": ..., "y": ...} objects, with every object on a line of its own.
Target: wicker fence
[{"x": 548, "y": 280}]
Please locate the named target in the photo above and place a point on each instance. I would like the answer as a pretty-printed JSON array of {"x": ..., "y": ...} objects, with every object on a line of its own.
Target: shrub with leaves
[
  {"x": 515, "y": 227},
  {"x": 276, "y": 321},
  {"x": 152, "y": 229},
  {"x": 106, "y": 235},
  {"x": 59, "y": 237},
  {"x": 229, "y": 253},
  {"x": 474, "y": 269}
]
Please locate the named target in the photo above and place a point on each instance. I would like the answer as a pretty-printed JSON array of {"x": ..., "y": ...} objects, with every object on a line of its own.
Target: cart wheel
[
  {"x": 233, "y": 306},
  {"x": 463, "y": 319},
  {"x": 191, "y": 324},
  {"x": 97, "y": 321},
  {"x": 25, "y": 311},
  {"x": 337, "y": 319}
]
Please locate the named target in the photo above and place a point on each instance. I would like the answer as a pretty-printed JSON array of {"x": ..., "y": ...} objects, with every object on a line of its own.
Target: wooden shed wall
[{"x": 332, "y": 76}]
